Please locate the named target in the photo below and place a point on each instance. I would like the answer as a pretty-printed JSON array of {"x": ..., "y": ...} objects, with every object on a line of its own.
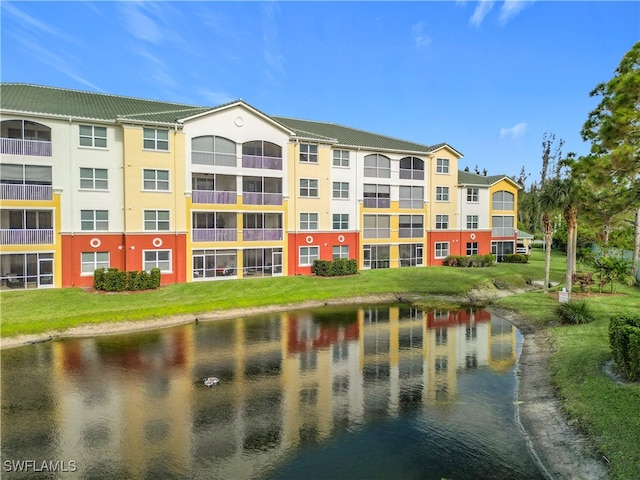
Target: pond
[{"x": 356, "y": 393}]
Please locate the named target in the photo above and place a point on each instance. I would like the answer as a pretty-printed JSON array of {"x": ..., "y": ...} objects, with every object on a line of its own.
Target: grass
[{"x": 605, "y": 410}]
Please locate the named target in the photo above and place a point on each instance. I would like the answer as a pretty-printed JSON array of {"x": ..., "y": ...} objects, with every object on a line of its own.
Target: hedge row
[
  {"x": 114, "y": 280},
  {"x": 336, "y": 268},
  {"x": 624, "y": 339},
  {"x": 515, "y": 258},
  {"x": 470, "y": 261}
]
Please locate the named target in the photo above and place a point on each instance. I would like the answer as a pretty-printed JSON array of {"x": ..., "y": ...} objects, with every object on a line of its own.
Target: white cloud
[
  {"x": 511, "y": 8},
  {"x": 419, "y": 37},
  {"x": 481, "y": 11},
  {"x": 513, "y": 132}
]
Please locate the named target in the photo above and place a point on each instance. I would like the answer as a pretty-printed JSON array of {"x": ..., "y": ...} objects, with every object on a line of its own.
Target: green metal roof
[
  {"x": 43, "y": 100},
  {"x": 467, "y": 178}
]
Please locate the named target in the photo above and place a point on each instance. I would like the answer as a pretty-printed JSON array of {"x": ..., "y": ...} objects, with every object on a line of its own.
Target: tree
[{"x": 613, "y": 129}]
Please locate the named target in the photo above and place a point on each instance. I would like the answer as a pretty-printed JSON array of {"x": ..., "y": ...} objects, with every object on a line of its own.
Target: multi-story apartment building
[{"x": 91, "y": 180}]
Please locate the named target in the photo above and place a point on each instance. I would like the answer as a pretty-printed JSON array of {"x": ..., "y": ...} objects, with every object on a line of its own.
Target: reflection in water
[{"x": 373, "y": 392}]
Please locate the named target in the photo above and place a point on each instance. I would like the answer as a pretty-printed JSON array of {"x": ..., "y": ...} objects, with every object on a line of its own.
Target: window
[
  {"x": 472, "y": 221},
  {"x": 156, "y": 179},
  {"x": 377, "y": 196},
  {"x": 375, "y": 256},
  {"x": 308, "y": 187},
  {"x": 341, "y": 158},
  {"x": 376, "y": 226},
  {"x": 442, "y": 194},
  {"x": 411, "y": 197},
  {"x": 308, "y": 153},
  {"x": 341, "y": 221},
  {"x": 472, "y": 248},
  {"x": 94, "y": 178},
  {"x": 502, "y": 226},
  {"x": 411, "y": 254},
  {"x": 18, "y": 174},
  {"x": 411, "y": 226},
  {"x": 340, "y": 190},
  {"x": 308, "y": 255},
  {"x": 502, "y": 200},
  {"x": 212, "y": 150},
  {"x": 411, "y": 168},
  {"x": 442, "y": 222},
  {"x": 442, "y": 165},
  {"x": 472, "y": 195},
  {"x": 155, "y": 139},
  {"x": 156, "y": 220},
  {"x": 214, "y": 263},
  {"x": 157, "y": 259},
  {"x": 90, "y": 261},
  {"x": 308, "y": 221},
  {"x": 377, "y": 166},
  {"x": 94, "y": 220},
  {"x": 340, "y": 251},
  {"x": 91, "y": 136},
  {"x": 442, "y": 249}
]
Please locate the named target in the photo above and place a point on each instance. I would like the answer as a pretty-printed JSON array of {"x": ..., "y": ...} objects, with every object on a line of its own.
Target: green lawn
[{"x": 606, "y": 411}]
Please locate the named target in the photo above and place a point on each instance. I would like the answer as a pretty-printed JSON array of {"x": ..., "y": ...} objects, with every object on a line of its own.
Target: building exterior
[{"x": 92, "y": 180}]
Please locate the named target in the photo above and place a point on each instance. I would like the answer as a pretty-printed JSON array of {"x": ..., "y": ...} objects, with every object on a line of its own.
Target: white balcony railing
[
  {"x": 25, "y": 192},
  {"x": 18, "y": 146},
  {"x": 26, "y": 236},
  {"x": 215, "y": 235}
]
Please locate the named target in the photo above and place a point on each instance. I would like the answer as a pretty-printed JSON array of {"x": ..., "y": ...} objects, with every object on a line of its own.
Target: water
[{"x": 374, "y": 392}]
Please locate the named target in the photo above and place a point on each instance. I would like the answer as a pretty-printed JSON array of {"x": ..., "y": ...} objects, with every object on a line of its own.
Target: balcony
[
  {"x": 376, "y": 233},
  {"x": 215, "y": 235},
  {"x": 214, "y": 196},
  {"x": 257, "y": 161},
  {"x": 26, "y": 236},
  {"x": 262, "y": 234},
  {"x": 18, "y": 146},
  {"x": 406, "y": 174},
  {"x": 503, "y": 232},
  {"x": 213, "y": 159},
  {"x": 374, "y": 202},
  {"x": 9, "y": 191},
  {"x": 408, "y": 232},
  {"x": 261, "y": 198}
]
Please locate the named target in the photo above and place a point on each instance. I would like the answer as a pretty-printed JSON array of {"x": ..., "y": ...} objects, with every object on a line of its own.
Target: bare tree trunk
[
  {"x": 570, "y": 215},
  {"x": 548, "y": 236},
  {"x": 636, "y": 245}
]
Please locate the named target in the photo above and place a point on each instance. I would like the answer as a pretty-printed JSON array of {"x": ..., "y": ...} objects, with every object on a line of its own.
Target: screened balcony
[
  {"x": 262, "y": 227},
  {"x": 22, "y": 137},
  {"x": 261, "y": 191},
  {"x": 376, "y": 226},
  {"x": 26, "y": 227},
  {"x": 411, "y": 168},
  {"x": 214, "y": 227},
  {"x": 213, "y": 151},
  {"x": 411, "y": 226},
  {"x": 377, "y": 196},
  {"x": 261, "y": 154},
  {"x": 25, "y": 182},
  {"x": 213, "y": 189}
]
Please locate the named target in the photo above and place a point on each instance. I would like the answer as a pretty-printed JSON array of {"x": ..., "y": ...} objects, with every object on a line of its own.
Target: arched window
[
  {"x": 412, "y": 168},
  {"x": 261, "y": 154},
  {"x": 212, "y": 150},
  {"x": 23, "y": 137},
  {"x": 376, "y": 165},
  {"x": 502, "y": 200}
]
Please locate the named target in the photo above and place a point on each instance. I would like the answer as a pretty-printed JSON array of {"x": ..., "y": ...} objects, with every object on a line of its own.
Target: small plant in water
[{"x": 575, "y": 313}]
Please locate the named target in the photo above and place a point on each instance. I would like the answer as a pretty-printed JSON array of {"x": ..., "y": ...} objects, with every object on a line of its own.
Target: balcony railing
[
  {"x": 407, "y": 174},
  {"x": 376, "y": 233},
  {"x": 18, "y": 146},
  {"x": 258, "y": 234},
  {"x": 214, "y": 196},
  {"x": 261, "y": 198},
  {"x": 215, "y": 234},
  {"x": 27, "y": 236},
  {"x": 10, "y": 191},
  {"x": 213, "y": 159},
  {"x": 372, "y": 202},
  {"x": 256, "y": 161},
  {"x": 408, "y": 232}
]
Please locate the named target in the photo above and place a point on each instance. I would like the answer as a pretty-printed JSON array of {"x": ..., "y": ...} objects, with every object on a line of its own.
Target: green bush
[
  {"x": 154, "y": 278},
  {"x": 99, "y": 278},
  {"x": 575, "y": 312},
  {"x": 338, "y": 267},
  {"x": 624, "y": 340},
  {"x": 114, "y": 280},
  {"x": 470, "y": 261},
  {"x": 515, "y": 258}
]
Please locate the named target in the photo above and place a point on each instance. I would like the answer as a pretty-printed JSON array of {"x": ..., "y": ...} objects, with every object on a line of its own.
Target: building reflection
[{"x": 135, "y": 405}]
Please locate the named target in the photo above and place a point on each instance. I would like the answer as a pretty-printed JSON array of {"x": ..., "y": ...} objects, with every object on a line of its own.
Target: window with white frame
[
  {"x": 340, "y": 221},
  {"x": 502, "y": 226},
  {"x": 376, "y": 165},
  {"x": 340, "y": 251},
  {"x": 157, "y": 180},
  {"x": 94, "y": 220},
  {"x": 472, "y": 248},
  {"x": 94, "y": 178},
  {"x": 341, "y": 158},
  {"x": 442, "y": 249},
  {"x": 155, "y": 139},
  {"x": 411, "y": 197},
  {"x": 442, "y": 222},
  {"x": 340, "y": 190},
  {"x": 308, "y": 153},
  {"x": 442, "y": 165},
  {"x": 157, "y": 259},
  {"x": 90, "y": 261},
  {"x": 472, "y": 221},
  {"x": 502, "y": 200},
  {"x": 472, "y": 195},
  {"x": 307, "y": 255},
  {"x": 442, "y": 194},
  {"x": 91, "y": 136},
  {"x": 308, "y": 187},
  {"x": 308, "y": 221},
  {"x": 156, "y": 220}
]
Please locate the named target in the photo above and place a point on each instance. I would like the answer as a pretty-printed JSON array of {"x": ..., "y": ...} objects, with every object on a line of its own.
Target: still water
[{"x": 372, "y": 392}]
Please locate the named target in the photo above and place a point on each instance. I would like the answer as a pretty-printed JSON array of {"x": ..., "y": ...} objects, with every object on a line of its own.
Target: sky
[{"x": 489, "y": 78}]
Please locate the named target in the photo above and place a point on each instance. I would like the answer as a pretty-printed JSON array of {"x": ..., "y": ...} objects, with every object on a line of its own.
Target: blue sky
[{"x": 489, "y": 78}]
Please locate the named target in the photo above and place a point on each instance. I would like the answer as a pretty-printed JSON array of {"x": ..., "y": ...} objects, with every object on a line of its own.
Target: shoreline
[{"x": 559, "y": 449}]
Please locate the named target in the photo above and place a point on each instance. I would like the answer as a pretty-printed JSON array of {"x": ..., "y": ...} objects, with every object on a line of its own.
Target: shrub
[
  {"x": 584, "y": 279},
  {"x": 115, "y": 280},
  {"x": 154, "y": 278},
  {"x": 470, "y": 261},
  {"x": 624, "y": 340},
  {"x": 337, "y": 267},
  {"x": 322, "y": 268},
  {"x": 99, "y": 278},
  {"x": 515, "y": 258},
  {"x": 575, "y": 313}
]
